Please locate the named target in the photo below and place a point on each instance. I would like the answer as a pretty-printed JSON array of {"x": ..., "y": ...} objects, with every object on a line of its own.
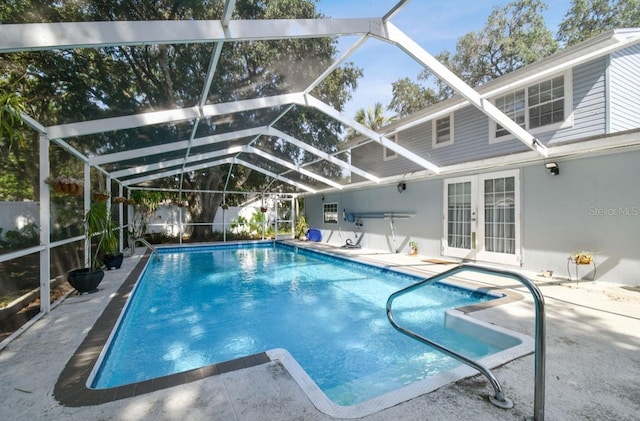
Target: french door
[{"x": 482, "y": 217}]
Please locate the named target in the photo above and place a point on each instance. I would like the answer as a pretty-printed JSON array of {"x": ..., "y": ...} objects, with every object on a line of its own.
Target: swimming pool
[{"x": 328, "y": 313}]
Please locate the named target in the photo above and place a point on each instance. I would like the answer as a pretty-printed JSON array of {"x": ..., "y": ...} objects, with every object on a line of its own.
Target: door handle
[{"x": 473, "y": 240}]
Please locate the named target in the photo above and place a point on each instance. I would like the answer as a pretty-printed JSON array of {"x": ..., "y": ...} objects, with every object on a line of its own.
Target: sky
[{"x": 434, "y": 25}]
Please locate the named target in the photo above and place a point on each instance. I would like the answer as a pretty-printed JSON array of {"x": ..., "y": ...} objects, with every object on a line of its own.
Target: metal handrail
[
  {"x": 149, "y": 245},
  {"x": 499, "y": 399}
]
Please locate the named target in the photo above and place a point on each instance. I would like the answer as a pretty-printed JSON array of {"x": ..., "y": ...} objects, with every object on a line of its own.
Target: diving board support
[{"x": 498, "y": 399}]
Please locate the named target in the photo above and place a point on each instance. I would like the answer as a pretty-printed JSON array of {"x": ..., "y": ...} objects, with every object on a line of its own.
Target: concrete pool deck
[{"x": 592, "y": 363}]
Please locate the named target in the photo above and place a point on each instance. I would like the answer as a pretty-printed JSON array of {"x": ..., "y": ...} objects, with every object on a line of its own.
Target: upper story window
[
  {"x": 541, "y": 107},
  {"x": 442, "y": 131},
  {"x": 514, "y": 106},
  {"x": 546, "y": 102},
  {"x": 330, "y": 213},
  {"x": 387, "y": 153}
]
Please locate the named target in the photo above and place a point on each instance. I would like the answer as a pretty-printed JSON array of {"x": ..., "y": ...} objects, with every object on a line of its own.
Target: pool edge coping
[{"x": 71, "y": 388}]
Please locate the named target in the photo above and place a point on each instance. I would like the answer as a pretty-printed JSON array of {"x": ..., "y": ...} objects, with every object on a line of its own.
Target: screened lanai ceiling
[{"x": 260, "y": 125}]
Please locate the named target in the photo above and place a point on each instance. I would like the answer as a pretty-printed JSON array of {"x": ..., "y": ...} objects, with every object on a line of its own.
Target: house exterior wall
[
  {"x": 624, "y": 73},
  {"x": 592, "y": 205},
  {"x": 589, "y": 104},
  {"x": 471, "y": 128},
  {"x": 423, "y": 198}
]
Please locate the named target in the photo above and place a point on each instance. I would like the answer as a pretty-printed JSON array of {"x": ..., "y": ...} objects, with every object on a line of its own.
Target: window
[
  {"x": 546, "y": 102},
  {"x": 387, "y": 153},
  {"x": 513, "y": 105},
  {"x": 544, "y": 106},
  {"x": 330, "y": 213},
  {"x": 442, "y": 132}
]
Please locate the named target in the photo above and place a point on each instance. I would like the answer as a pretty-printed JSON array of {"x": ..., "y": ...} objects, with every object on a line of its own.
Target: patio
[{"x": 592, "y": 364}]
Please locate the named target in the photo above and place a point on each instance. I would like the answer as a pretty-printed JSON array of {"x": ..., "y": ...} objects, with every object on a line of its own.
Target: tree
[
  {"x": 17, "y": 144},
  {"x": 410, "y": 97},
  {"x": 85, "y": 84},
  {"x": 588, "y": 18},
  {"x": 512, "y": 37},
  {"x": 11, "y": 107},
  {"x": 373, "y": 118}
]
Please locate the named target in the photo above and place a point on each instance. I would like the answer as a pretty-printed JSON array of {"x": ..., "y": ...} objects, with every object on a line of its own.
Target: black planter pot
[
  {"x": 112, "y": 261},
  {"x": 85, "y": 280}
]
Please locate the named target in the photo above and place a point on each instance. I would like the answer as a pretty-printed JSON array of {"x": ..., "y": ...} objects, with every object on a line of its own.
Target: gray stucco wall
[
  {"x": 423, "y": 198},
  {"x": 593, "y": 205}
]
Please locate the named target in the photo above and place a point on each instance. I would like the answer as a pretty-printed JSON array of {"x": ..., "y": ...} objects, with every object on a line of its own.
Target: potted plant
[
  {"x": 413, "y": 248},
  {"x": 109, "y": 253},
  {"x": 86, "y": 280},
  {"x": 582, "y": 258},
  {"x": 99, "y": 223},
  {"x": 301, "y": 227}
]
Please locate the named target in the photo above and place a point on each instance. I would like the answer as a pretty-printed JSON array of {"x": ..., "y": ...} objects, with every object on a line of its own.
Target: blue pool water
[{"x": 199, "y": 306}]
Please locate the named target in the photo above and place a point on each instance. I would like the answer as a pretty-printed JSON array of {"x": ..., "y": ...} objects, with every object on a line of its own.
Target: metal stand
[{"x": 571, "y": 261}]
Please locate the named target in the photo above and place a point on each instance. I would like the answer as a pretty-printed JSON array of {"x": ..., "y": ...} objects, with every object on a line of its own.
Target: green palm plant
[
  {"x": 98, "y": 221},
  {"x": 373, "y": 119},
  {"x": 11, "y": 107}
]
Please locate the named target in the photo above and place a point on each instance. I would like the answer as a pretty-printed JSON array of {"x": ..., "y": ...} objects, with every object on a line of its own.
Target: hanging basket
[
  {"x": 65, "y": 185},
  {"x": 263, "y": 209},
  {"x": 100, "y": 197},
  {"x": 119, "y": 199}
]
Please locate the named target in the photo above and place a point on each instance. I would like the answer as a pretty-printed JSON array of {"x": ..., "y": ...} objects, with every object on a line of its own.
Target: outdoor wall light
[
  {"x": 552, "y": 168},
  {"x": 402, "y": 187}
]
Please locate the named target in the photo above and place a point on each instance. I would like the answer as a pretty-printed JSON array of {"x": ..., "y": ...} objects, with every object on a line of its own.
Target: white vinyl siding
[
  {"x": 625, "y": 79},
  {"x": 586, "y": 117}
]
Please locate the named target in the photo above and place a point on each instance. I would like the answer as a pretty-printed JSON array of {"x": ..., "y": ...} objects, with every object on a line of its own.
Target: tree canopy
[
  {"x": 512, "y": 37},
  {"x": 587, "y": 18},
  {"x": 85, "y": 84}
]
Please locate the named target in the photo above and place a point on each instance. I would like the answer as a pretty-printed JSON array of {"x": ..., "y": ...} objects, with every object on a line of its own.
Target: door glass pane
[
  {"x": 500, "y": 215},
  {"x": 459, "y": 213}
]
